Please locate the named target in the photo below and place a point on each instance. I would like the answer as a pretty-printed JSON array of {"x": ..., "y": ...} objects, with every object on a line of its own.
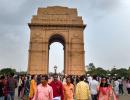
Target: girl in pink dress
[
  {"x": 44, "y": 91},
  {"x": 105, "y": 91}
]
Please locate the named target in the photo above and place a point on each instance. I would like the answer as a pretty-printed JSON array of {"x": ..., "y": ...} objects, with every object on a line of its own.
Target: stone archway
[
  {"x": 59, "y": 24},
  {"x": 61, "y": 40}
]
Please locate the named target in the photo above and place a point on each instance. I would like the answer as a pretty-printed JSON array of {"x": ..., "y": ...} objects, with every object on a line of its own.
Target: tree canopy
[
  {"x": 122, "y": 72},
  {"x": 7, "y": 71}
]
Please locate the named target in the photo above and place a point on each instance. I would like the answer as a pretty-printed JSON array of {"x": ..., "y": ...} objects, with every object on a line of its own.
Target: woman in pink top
[
  {"x": 105, "y": 91},
  {"x": 44, "y": 91}
]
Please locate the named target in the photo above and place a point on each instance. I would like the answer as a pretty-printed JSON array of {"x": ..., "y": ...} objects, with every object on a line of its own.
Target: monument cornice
[
  {"x": 36, "y": 51},
  {"x": 57, "y": 25},
  {"x": 40, "y": 42}
]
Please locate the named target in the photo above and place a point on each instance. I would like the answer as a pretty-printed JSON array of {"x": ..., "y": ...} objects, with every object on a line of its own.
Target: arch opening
[
  {"x": 57, "y": 38},
  {"x": 56, "y": 54}
]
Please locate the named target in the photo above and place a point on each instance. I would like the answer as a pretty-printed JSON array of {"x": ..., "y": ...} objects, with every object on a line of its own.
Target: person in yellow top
[
  {"x": 32, "y": 87},
  {"x": 82, "y": 90},
  {"x": 68, "y": 89}
]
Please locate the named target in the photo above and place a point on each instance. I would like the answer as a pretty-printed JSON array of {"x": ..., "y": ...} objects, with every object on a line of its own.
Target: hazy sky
[{"x": 107, "y": 35}]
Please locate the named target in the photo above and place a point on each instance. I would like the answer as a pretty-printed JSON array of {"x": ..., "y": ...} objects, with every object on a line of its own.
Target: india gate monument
[{"x": 56, "y": 24}]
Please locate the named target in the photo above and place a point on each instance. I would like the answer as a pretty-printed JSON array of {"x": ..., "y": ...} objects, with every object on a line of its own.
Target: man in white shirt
[
  {"x": 94, "y": 84},
  {"x": 121, "y": 91},
  {"x": 89, "y": 79},
  {"x": 116, "y": 87}
]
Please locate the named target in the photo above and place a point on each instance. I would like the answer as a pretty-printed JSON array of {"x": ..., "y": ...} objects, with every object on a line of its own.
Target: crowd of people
[{"x": 59, "y": 87}]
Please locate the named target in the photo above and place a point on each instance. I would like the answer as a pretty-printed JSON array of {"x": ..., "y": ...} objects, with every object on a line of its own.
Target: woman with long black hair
[{"x": 105, "y": 90}]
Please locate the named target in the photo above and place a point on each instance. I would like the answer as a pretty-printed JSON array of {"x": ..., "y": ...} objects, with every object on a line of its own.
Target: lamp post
[{"x": 55, "y": 68}]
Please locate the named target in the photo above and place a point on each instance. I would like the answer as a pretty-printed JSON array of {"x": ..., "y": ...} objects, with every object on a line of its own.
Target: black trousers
[
  {"x": 121, "y": 91},
  {"x": 19, "y": 89},
  {"x": 128, "y": 89},
  {"x": 94, "y": 96}
]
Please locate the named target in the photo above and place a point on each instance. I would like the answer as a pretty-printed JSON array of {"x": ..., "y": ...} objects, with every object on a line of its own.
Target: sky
[{"x": 106, "y": 37}]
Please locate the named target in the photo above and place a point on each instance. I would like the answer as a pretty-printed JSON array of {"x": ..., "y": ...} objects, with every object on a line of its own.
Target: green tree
[
  {"x": 113, "y": 71},
  {"x": 91, "y": 66},
  {"x": 129, "y": 71},
  {"x": 97, "y": 71},
  {"x": 122, "y": 72},
  {"x": 101, "y": 71},
  {"x": 7, "y": 71}
]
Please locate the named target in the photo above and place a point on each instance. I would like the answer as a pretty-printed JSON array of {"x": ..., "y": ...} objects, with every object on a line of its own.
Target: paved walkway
[
  {"x": 121, "y": 97},
  {"x": 124, "y": 97}
]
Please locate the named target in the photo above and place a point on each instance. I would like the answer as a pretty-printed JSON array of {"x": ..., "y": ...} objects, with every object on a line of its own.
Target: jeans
[
  {"x": 121, "y": 89},
  {"x": 2, "y": 98},
  {"x": 11, "y": 96},
  {"x": 94, "y": 96}
]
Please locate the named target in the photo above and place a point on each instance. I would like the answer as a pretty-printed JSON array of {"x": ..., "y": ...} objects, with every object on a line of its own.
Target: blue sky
[{"x": 106, "y": 37}]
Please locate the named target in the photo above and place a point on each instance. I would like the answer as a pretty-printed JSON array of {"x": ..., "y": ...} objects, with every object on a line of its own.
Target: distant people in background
[
  {"x": 94, "y": 85},
  {"x": 108, "y": 80},
  {"x": 77, "y": 79},
  {"x": 120, "y": 80},
  {"x": 82, "y": 90},
  {"x": 72, "y": 79},
  {"x": 44, "y": 91},
  {"x": 57, "y": 88},
  {"x": 128, "y": 85},
  {"x": 5, "y": 89},
  {"x": 22, "y": 87},
  {"x": 33, "y": 85},
  {"x": 19, "y": 85},
  {"x": 27, "y": 88},
  {"x": 50, "y": 78},
  {"x": 116, "y": 87},
  {"x": 12, "y": 84},
  {"x": 89, "y": 79},
  {"x": 38, "y": 79},
  {"x": 68, "y": 90},
  {"x": 64, "y": 79},
  {"x": 1, "y": 88}
]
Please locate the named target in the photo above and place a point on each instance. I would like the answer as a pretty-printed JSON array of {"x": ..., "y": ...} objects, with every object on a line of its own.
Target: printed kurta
[{"x": 82, "y": 91}]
